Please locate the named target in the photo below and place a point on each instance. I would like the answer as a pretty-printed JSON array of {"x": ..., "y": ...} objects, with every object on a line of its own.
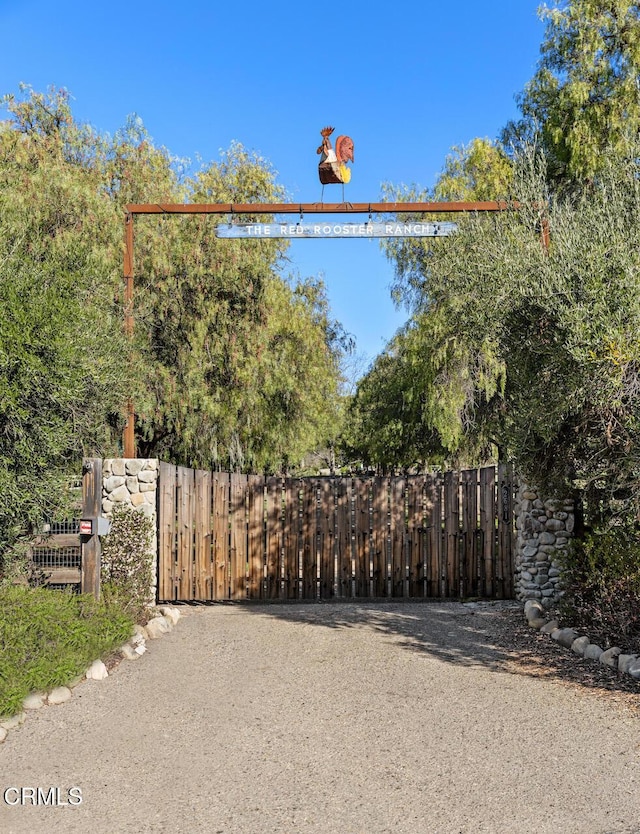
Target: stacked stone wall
[
  {"x": 133, "y": 482},
  {"x": 544, "y": 528}
]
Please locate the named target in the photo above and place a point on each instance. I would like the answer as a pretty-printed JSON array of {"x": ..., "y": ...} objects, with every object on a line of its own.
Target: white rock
[
  {"x": 171, "y": 613},
  {"x": 59, "y": 695},
  {"x": 139, "y": 635},
  {"x": 128, "y": 652},
  {"x": 157, "y": 626},
  {"x": 35, "y": 700},
  {"x": 147, "y": 476},
  {"x": 13, "y": 722},
  {"x": 141, "y": 649},
  {"x": 118, "y": 466},
  {"x": 114, "y": 482},
  {"x": 634, "y": 670},
  {"x": 120, "y": 495},
  {"x": 134, "y": 465},
  {"x": 97, "y": 671}
]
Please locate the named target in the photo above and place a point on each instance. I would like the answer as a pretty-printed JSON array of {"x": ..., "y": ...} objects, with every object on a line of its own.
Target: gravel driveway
[{"x": 352, "y": 718}]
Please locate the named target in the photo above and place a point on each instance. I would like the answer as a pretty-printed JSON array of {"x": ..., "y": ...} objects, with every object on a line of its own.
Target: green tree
[
  {"x": 584, "y": 95},
  {"x": 547, "y": 341},
  {"x": 232, "y": 364},
  {"x": 60, "y": 389},
  {"x": 413, "y": 408}
]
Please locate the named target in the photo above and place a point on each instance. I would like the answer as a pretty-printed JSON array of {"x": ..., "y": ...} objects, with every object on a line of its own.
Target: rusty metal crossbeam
[{"x": 317, "y": 208}]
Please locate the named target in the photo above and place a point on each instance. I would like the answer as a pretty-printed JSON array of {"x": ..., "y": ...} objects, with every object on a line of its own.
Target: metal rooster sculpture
[{"x": 333, "y": 164}]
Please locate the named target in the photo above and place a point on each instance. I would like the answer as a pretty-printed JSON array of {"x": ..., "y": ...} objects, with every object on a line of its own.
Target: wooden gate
[{"x": 247, "y": 537}]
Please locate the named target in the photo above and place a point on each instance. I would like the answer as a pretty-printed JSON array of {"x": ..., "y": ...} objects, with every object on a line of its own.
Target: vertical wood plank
[
  {"x": 256, "y": 555},
  {"x": 433, "y": 512},
  {"x": 221, "y": 534},
  {"x": 379, "y": 524},
  {"x": 292, "y": 538},
  {"x": 362, "y": 543},
  {"x": 416, "y": 535},
  {"x": 397, "y": 519},
  {"x": 203, "y": 537},
  {"x": 343, "y": 537},
  {"x": 468, "y": 567},
  {"x": 488, "y": 529},
  {"x": 91, "y": 509},
  {"x": 451, "y": 531},
  {"x": 274, "y": 537},
  {"x": 326, "y": 536},
  {"x": 238, "y": 530},
  {"x": 167, "y": 585},
  {"x": 186, "y": 502},
  {"x": 308, "y": 538},
  {"x": 505, "y": 531}
]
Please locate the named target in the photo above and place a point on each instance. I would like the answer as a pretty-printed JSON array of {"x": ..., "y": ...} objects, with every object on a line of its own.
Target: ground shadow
[{"x": 493, "y": 635}]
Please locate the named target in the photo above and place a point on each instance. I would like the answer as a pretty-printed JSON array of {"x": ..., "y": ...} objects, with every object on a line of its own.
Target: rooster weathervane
[{"x": 332, "y": 167}]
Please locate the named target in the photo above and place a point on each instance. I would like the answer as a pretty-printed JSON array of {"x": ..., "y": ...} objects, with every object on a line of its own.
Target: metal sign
[{"x": 366, "y": 230}]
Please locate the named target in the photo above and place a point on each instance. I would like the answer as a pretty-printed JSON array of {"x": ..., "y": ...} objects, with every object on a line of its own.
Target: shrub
[
  {"x": 126, "y": 569},
  {"x": 49, "y": 637},
  {"x": 601, "y": 581}
]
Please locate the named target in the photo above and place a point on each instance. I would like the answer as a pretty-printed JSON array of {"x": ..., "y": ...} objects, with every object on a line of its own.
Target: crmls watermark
[{"x": 55, "y": 797}]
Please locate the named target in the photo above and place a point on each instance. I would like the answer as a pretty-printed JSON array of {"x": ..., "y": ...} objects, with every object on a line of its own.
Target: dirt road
[{"x": 326, "y": 718}]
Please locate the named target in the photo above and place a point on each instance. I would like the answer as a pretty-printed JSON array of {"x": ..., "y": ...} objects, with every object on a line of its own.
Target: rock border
[
  {"x": 569, "y": 638},
  {"x": 133, "y": 649}
]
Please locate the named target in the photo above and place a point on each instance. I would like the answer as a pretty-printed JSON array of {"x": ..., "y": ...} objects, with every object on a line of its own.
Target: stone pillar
[
  {"x": 134, "y": 482},
  {"x": 543, "y": 530}
]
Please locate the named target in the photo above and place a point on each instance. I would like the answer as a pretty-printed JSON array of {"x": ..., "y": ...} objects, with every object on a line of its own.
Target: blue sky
[{"x": 405, "y": 81}]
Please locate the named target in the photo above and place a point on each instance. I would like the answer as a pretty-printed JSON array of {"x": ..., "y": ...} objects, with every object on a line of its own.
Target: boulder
[
  {"x": 157, "y": 627},
  {"x": 593, "y": 652},
  {"x": 59, "y": 695},
  {"x": 34, "y": 700},
  {"x": 97, "y": 671},
  {"x": 13, "y": 722},
  {"x": 565, "y": 636},
  {"x": 579, "y": 645},
  {"x": 625, "y": 661},
  {"x": 610, "y": 657}
]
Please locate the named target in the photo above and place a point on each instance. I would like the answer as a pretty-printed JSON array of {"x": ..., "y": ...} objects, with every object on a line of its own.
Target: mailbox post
[{"x": 89, "y": 525}]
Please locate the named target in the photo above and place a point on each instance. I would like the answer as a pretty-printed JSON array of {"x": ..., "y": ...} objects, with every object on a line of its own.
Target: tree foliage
[
  {"x": 531, "y": 351},
  {"x": 585, "y": 94},
  {"x": 511, "y": 349},
  {"x": 59, "y": 388},
  {"x": 232, "y": 363}
]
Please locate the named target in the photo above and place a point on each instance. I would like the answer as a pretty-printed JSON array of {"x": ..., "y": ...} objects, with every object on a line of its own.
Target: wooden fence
[{"x": 238, "y": 537}]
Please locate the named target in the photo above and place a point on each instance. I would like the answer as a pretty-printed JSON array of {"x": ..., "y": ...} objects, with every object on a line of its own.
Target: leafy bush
[
  {"x": 601, "y": 580},
  {"x": 126, "y": 571},
  {"x": 49, "y": 637}
]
